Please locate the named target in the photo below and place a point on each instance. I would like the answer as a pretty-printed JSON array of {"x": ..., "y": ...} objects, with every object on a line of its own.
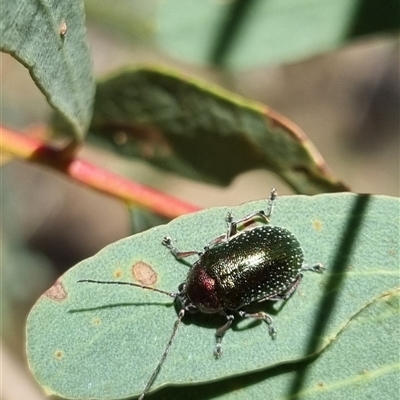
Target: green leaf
[
  {"x": 133, "y": 18},
  {"x": 49, "y": 38},
  {"x": 361, "y": 362},
  {"x": 245, "y": 33},
  {"x": 203, "y": 132},
  {"x": 103, "y": 341},
  {"x": 142, "y": 220}
]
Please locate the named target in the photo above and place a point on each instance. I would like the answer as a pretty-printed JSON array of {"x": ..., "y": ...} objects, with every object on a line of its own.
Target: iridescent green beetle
[{"x": 236, "y": 269}]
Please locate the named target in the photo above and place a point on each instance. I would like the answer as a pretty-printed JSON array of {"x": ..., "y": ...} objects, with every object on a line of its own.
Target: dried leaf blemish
[
  {"x": 59, "y": 354},
  {"x": 317, "y": 224},
  {"x": 56, "y": 292},
  {"x": 144, "y": 273},
  {"x": 96, "y": 321},
  {"x": 118, "y": 273},
  {"x": 63, "y": 28},
  {"x": 392, "y": 252}
]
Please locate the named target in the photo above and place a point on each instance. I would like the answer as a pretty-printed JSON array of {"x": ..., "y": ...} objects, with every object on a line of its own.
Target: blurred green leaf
[
  {"x": 134, "y": 18},
  {"x": 203, "y": 132},
  {"x": 248, "y": 33},
  {"x": 142, "y": 219},
  {"x": 101, "y": 341},
  {"x": 49, "y": 38}
]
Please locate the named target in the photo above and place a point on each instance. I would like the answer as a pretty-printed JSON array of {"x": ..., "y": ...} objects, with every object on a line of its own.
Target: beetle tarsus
[
  {"x": 271, "y": 202},
  {"x": 167, "y": 241},
  {"x": 218, "y": 348},
  {"x": 314, "y": 268},
  {"x": 271, "y": 327},
  {"x": 228, "y": 219}
]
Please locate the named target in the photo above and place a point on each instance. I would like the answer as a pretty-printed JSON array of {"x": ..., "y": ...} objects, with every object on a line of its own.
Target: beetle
[{"x": 236, "y": 269}]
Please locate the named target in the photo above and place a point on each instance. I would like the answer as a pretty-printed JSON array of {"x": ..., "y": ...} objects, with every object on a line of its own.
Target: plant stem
[{"x": 63, "y": 160}]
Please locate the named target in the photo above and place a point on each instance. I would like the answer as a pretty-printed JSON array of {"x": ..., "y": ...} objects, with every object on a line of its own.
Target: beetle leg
[
  {"x": 232, "y": 225},
  {"x": 265, "y": 317},
  {"x": 271, "y": 202},
  {"x": 220, "y": 333},
  {"x": 167, "y": 241},
  {"x": 217, "y": 240},
  {"x": 232, "y": 230}
]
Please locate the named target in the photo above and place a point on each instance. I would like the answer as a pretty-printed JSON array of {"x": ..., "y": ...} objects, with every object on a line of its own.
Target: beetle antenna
[
  {"x": 171, "y": 294},
  {"x": 163, "y": 357}
]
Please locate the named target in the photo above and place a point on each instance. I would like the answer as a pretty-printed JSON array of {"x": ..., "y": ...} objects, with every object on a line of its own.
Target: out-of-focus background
[{"x": 347, "y": 102}]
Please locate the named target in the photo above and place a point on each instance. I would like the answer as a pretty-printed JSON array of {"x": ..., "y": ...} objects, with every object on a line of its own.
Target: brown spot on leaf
[
  {"x": 96, "y": 321},
  {"x": 144, "y": 273},
  {"x": 120, "y": 138},
  {"x": 118, "y": 273},
  {"x": 56, "y": 292},
  {"x": 150, "y": 140},
  {"x": 63, "y": 28},
  {"x": 59, "y": 354},
  {"x": 317, "y": 224}
]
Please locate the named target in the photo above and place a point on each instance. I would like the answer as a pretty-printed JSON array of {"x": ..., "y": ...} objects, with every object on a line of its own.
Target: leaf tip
[{"x": 62, "y": 29}]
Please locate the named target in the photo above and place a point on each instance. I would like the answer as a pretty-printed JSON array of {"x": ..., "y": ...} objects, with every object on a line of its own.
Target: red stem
[{"x": 33, "y": 149}]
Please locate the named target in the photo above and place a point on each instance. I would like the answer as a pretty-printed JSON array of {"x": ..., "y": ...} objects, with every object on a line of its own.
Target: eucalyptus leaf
[
  {"x": 361, "y": 362},
  {"x": 103, "y": 341},
  {"x": 202, "y": 132},
  {"x": 132, "y": 18},
  {"x": 249, "y": 33},
  {"x": 49, "y": 38}
]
